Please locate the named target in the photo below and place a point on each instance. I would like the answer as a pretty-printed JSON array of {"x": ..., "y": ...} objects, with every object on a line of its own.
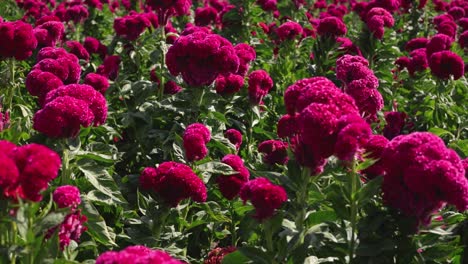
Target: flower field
[{"x": 233, "y": 131}]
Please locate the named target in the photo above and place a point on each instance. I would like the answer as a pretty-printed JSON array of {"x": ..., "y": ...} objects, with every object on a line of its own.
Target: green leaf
[
  {"x": 97, "y": 227},
  {"x": 369, "y": 190},
  {"x": 256, "y": 255},
  {"x": 216, "y": 167},
  {"x": 440, "y": 131},
  {"x": 51, "y": 220},
  {"x": 236, "y": 257}
]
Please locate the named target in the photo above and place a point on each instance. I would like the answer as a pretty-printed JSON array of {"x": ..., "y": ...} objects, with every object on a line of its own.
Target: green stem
[
  {"x": 158, "y": 225},
  {"x": 12, "y": 84},
  {"x": 66, "y": 172},
  {"x": 353, "y": 218},
  {"x": 233, "y": 224},
  {"x": 268, "y": 236},
  {"x": 163, "y": 64}
]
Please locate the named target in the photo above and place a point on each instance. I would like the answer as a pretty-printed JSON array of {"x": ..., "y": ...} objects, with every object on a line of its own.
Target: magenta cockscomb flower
[
  {"x": 228, "y": 85},
  {"x": 428, "y": 175},
  {"x": 373, "y": 149},
  {"x": 132, "y": 25},
  {"x": 289, "y": 30},
  {"x": 98, "y": 82},
  {"x": 234, "y": 136},
  {"x": 395, "y": 123},
  {"x": 260, "y": 84},
  {"x": 195, "y": 137},
  {"x": 94, "y": 46},
  {"x": 39, "y": 83},
  {"x": 77, "y": 49},
  {"x": 418, "y": 61},
  {"x": 110, "y": 67},
  {"x": 136, "y": 254},
  {"x": 174, "y": 182},
  {"x": 437, "y": 43},
  {"x": 17, "y": 40},
  {"x": 445, "y": 63},
  {"x": 246, "y": 55},
  {"x": 67, "y": 196},
  {"x": 216, "y": 255},
  {"x": 9, "y": 174},
  {"x": 230, "y": 185},
  {"x": 37, "y": 165},
  {"x": 377, "y": 19},
  {"x": 287, "y": 126},
  {"x": 205, "y": 16},
  {"x": 265, "y": 196},
  {"x": 49, "y": 33},
  {"x": 416, "y": 43},
  {"x": 276, "y": 151},
  {"x": 331, "y": 26},
  {"x": 200, "y": 57}
]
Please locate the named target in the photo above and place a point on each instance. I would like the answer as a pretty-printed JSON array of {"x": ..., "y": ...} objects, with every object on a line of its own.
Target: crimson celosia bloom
[
  {"x": 268, "y": 5},
  {"x": 234, "y": 136},
  {"x": 171, "y": 87},
  {"x": 110, "y": 67},
  {"x": 48, "y": 33},
  {"x": 264, "y": 196},
  {"x": 63, "y": 117},
  {"x": 136, "y": 254},
  {"x": 216, "y": 255},
  {"x": 395, "y": 123},
  {"x": 353, "y": 134},
  {"x": 76, "y": 13},
  {"x": 445, "y": 63},
  {"x": 71, "y": 228},
  {"x": 230, "y": 185},
  {"x": 276, "y": 152},
  {"x": 77, "y": 49},
  {"x": 200, "y": 57},
  {"x": 289, "y": 30},
  {"x": 331, "y": 26},
  {"x": 377, "y": 19},
  {"x": 228, "y": 85},
  {"x": 437, "y": 43},
  {"x": 374, "y": 148},
  {"x": 132, "y": 25},
  {"x": 418, "y": 61},
  {"x": 463, "y": 40},
  {"x": 427, "y": 176},
  {"x": 246, "y": 55},
  {"x": 287, "y": 126},
  {"x": 195, "y": 137},
  {"x": 39, "y": 83},
  {"x": 174, "y": 182},
  {"x": 4, "y": 119},
  {"x": 67, "y": 196},
  {"x": 9, "y": 174},
  {"x": 59, "y": 62},
  {"x": 37, "y": 166},
  {"x": 17, "y": 40},
  {"x": 416, "y": 43},
  {"x": 95, "y": 100},
  {"x": 260, "y": 84},
  {"x": 94, "y": 46},
  {"x": 98, "y": 82},
  {"x": 205, "y": 15}
]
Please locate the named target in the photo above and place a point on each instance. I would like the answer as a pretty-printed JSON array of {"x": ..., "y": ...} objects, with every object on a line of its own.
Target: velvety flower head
[
  {"x": 110, "y": 67},
  {"x": 456, "y": 12},
  {"x": 367, "y": 98},
  {"x": 439, "y": 42},
  {"x": 268, "y": 5},
  {"x": 264, "y": 196},
  {"x": 48, "y": 33},
  {"x": 65, "y": 68},
  {"x": 445, "y": 63},
  {"x": 246, "y": 55},
  {"x": 18, "y": 40},
  {"x": 205, "y": 15},
  {"x": 9, "y": 174},
  {"x": 170, "y": 7},
  {"x": 331, "y": 26},
  {"x": 287, "y": 126},
  {"x": 174, "y": 182},
  {"x": 67, "y": 196},
  {"x": 77, "y": 49},
  {"x": 350, "y": 68},
  {"x": 463, "y": 40},
  {"x": 289, "y": 30},
  {"x": 374, "y": 148},
  {"x": 4, "y": 119},
  {"x": 416, "y": 43},
  {"x": 428, "y": 175},
  {"x": 418, "y": 61},
  {"x": 296, "y": 90},
  {"x": 448, "y": 28},
  {"x": 37, "y": 166},
  {"x": 201, "y": 57},
  {"x": 402, "y": 62},
  {"x": 55, "y": 53},
  {"x": 132, "y": 25},
  {"x": 275, "y": 151},
  {"x": 136, "y": 254},
  {"x": 395, "y": 123},
  {"x": 63, "y": 117},
  {"x": 190, "y": 29},
  {"x": 463, "y": 22},
  {"x": 39, "y": 83},
  {"x": 195, "y": 137},
  {"x": 94, "y": 46},
  {"x": 96, "y": 101},
  {"x": 76, "y": 13},
  {"x": 353, "y": 134},
  {"x": 98, "y": 82},
  {"x": 72, "y": 228},
  {"x": 171, "y": 87},
  {"x": 228, "y": 85},
  {"x": 260, "y": 84},
  {"x": 348, "y": 47},
  {"x": 230, "y": 185},
  {"x": 216, "y": 255},
  {"x": 234, "y": 136},
  {"x": 377, "y": 19}
]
